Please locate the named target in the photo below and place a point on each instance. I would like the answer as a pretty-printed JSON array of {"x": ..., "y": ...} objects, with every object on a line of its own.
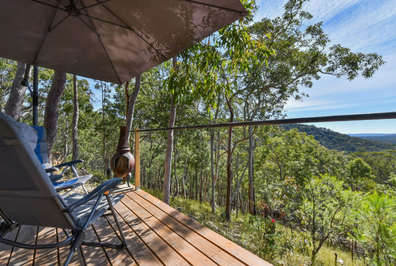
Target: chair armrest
[
  {"x": 55, "y": 178},
  {"x": 69, "y": 163},
  {"x": 51, "y": 169},
  {"x": 100, "y": 190}
]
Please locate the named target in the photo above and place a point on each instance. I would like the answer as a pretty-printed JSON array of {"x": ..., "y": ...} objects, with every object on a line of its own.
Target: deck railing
[{"x": 318, "y": 119}]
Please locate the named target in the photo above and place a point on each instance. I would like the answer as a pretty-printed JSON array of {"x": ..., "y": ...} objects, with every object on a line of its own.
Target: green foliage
[
  {"x": 7, "y": 73},
  {"x": 382, "y": 165},
  {"x": 307, "y": 184},
  {"x": 360, "y": 177},
  {"x": 377, "y": 228},
  {"x": 324, "y": 210}
]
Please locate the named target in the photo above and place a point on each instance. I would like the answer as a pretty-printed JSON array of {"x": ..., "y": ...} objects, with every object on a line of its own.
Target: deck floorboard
[{"x": 156, "y": 234}]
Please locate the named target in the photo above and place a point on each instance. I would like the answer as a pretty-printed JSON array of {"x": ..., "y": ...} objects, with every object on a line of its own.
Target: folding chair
[
  {"x": 27, "y": 196},
  {"x": 42, "y": 155}
]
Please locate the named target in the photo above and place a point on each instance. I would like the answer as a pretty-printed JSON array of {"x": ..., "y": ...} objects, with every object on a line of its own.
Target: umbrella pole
[{"x": 35, "y": 95}]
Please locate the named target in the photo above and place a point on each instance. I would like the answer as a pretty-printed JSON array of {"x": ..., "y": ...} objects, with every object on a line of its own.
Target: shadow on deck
[{"x": 156, "y": 234}]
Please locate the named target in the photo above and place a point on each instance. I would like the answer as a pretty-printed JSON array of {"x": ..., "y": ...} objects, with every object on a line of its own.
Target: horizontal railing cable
[{"x": 318, "y": 119}]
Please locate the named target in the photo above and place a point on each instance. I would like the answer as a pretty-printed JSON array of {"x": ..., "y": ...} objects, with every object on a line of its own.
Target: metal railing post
[{"x": 137, "y": 159}]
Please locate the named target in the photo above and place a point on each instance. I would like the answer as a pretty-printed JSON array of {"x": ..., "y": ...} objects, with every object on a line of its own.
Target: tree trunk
[
  {"x": 206, "y": 187},
  {"x": 131, "y": 105},
  {"x": 17, "y": 94},
  {"x": 76, "y": 114},
  {"x": 52, "y": 108},
  {"x": 252, "y": 203},
  {"x": 212, "y": 168},
  {"x": 176, "y": 193},
  {"x": 201, "y": 187},
  {"x": 196, "y": 184},
  {"x": 218, "y": 193},
  {"x": 191, "y": 188},
  {"x": 169, "y": 147},
  {"x": 184, "y": 179},
  {"x": 229, "y": 171},
  {"x": 214, "y": 174}
]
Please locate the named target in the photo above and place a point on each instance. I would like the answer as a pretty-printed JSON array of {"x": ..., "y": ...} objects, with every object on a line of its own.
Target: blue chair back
[{"x": 41, "y": 148}]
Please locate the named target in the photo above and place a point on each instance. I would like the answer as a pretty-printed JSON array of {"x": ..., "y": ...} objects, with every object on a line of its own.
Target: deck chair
[
  {"x": 42, "y": 155},
  {"x": 27, "y": 197}
]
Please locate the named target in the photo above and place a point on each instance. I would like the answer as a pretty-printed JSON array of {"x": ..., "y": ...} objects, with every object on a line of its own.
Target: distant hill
[
  {"x": 342, "y": 142},
  {"x": 388, "y": 138}
]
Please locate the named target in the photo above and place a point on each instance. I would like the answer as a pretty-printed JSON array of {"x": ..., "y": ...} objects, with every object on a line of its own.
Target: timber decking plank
[
  {"x": 180, "y": 245},
  {"x": 227, "y": 245},
  {"x": 6, "y": 250},
  {"x": 156, "y": 234},
  {"x": 139, "y": 250},
  {"x": 27, "y": 235},
  {"x": 210, "y": 250},
  {"x": 164, "y": 252},
  {"x": 93, "y": 255},
  {"x": 46, "y": 235},
  {"x": 106, "y": 233}
]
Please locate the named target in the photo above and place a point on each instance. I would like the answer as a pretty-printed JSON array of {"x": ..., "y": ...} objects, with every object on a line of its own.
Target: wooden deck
[{"x": 156, "y": 234}]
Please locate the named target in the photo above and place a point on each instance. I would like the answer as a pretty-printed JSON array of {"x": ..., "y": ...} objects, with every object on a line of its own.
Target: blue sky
[{"x": 364, "y": 26}]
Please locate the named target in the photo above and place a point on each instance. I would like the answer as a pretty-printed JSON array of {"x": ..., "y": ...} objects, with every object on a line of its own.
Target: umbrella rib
[
  {"x": 89, "y": 26},
  {"x": 60, "y": 2},
  {"x": 108, "y": 57},
  {"x": 46, "y": 4},
  {"x": 134, "y": 31},
  {"x": 105, "y": 21},
  {"x": 45, "y": 37},
  {"x": 101, "y": 43},
  {"x": 99, "y": 3},
  {"x": 51, "y": 29},
  {"x": 215, "y": 6}
]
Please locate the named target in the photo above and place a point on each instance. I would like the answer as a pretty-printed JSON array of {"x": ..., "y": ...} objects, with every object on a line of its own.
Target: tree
[
  {"x": 52, "y": 109},
  {"x": 7, "y": 75},
  {"x": 169, "y": 146},
  {"x": 17, "y": 94},
  {"x": 295, "y": 57},
  {"x": 324, "y": 209},
  {"x": 76, "y": 113},
  {"x": 131, "y": 103},
  {"x": 377, "y": 227},
  {"x": 359, "y": 174}
]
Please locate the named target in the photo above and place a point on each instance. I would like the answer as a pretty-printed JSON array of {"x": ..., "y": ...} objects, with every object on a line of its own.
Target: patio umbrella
[{"x": 109, "y": 40}]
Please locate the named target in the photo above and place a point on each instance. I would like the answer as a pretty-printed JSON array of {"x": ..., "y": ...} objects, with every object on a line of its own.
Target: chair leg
[
  {"x": 116, "y": 220},
  {"x": 69, "y": 257},
  {"x": 76, "y": 244},
  {"x": 85, "y": 189}
]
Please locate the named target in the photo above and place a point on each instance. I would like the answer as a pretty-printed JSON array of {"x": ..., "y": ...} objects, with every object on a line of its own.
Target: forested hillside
[
  {"x": 302, "y": 200},
  {"x": 387, "y": 138},
  {"x": 342, "y": 142}
]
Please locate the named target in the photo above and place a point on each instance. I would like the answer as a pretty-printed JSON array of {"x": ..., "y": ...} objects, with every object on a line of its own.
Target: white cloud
[{"x": 364, "y": 26}]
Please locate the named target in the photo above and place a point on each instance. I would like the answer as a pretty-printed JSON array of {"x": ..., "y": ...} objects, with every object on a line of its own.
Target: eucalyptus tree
[
  {"x": 325, "y": 209},
  {"x": 301, "y": 54},
  {"x": 17, "y": 93},
  {"x": 204, "y": 70},
  {"x": 76, "y": 114},
  {"x": 52, "y": 109},
  {"x": 7, "y": 75}
]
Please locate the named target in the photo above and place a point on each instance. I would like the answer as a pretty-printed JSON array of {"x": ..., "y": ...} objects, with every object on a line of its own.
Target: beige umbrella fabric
[{"x": 109, "y": 40}]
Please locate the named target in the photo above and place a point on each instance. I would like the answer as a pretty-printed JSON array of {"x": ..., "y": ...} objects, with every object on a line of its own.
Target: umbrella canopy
[{"x": 109, "y": 40}]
